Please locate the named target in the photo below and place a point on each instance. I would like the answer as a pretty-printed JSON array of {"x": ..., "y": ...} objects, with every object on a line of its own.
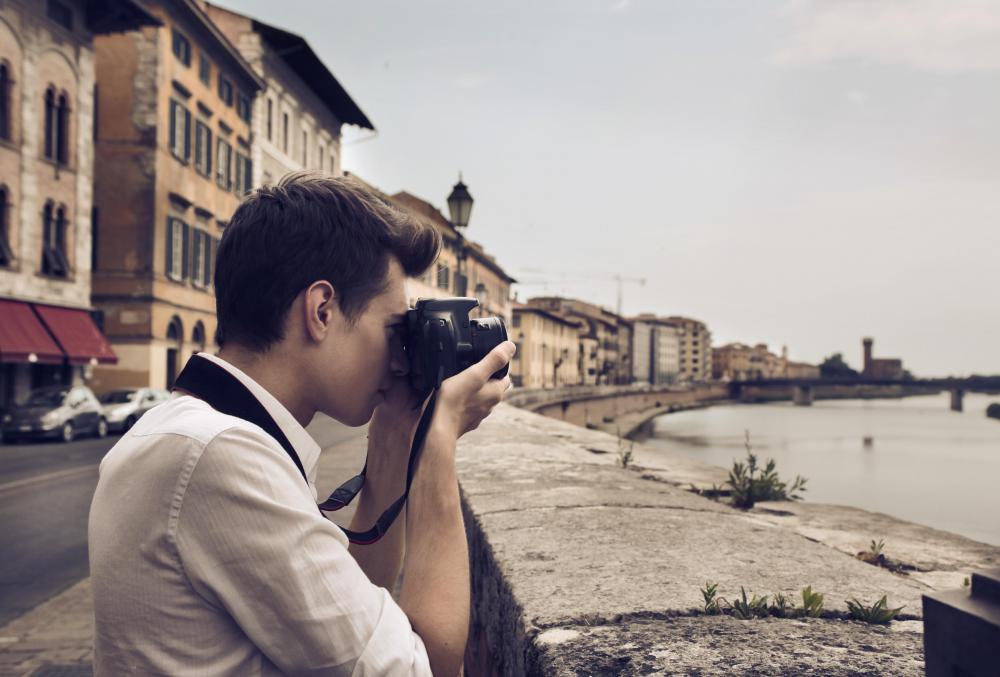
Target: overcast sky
[{"x": 794, "y": 173}]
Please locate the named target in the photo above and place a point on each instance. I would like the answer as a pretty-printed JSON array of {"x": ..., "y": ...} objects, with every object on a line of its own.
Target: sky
[{"x": 797, "y": 173}]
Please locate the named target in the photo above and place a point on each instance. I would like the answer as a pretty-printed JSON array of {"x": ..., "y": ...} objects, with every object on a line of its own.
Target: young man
[{"x": 208, "y": 555}]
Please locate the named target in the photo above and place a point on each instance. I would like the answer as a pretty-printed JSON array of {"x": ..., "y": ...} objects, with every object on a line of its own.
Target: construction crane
[{"x": 589, "y": 276}]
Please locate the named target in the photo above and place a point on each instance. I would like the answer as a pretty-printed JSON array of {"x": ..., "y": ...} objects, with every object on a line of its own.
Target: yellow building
[
  {"x": 173, "y": 158},
  {"x": 607, "y": 337},
  {"x": 547, "y": 349},
  {"x": 695, "y": 347}
]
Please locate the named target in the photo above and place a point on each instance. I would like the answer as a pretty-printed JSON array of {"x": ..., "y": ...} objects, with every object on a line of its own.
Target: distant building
[
  {"x": 174, "y": 134},
  {"x": 47, "y": 85},
  {"x": 298, "y": 117},
  {"x": 740, "y": 362},
  {"x": 880, "y": 368},
  {"x": 463, "y": 268},
  {"x": 695, "y": 347},
  {"x": 655, "y": 350},
  {"x": 547, "y": 349},
  {"x": 605, "y": 332}
]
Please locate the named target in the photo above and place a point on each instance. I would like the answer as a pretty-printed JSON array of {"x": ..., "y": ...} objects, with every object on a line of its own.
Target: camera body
[{"x": 441, "y": 340}]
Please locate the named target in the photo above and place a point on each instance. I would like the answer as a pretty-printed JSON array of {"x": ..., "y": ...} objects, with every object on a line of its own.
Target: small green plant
[
  {"x": 751, "y": 484},
  {"x": 965, "y": 583},
  {"x": 711, "y": 603},
  {"x": 779, "y": 605},
  {"x": 744, "y": 609},
  {"x": 812, "y": 602},
  {"x": 876, "y": 548},
  {"x": 879, "y": 612},
  {"x": 625, "y": 452}
]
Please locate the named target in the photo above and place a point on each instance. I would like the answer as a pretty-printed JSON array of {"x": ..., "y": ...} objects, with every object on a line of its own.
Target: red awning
[
  {"x": 77, "y": 334},
  {"x": 23, "y": 335}
]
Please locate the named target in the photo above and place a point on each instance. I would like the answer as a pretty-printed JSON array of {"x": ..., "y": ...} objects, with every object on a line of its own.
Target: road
[{"x": 45, "y": 494}]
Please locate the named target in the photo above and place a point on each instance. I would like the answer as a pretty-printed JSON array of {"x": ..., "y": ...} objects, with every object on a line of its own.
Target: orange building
[{"x": 173, "y": 158}]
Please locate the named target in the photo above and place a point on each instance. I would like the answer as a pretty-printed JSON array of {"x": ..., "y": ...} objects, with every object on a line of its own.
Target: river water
[{"x": 921, "y": 461}]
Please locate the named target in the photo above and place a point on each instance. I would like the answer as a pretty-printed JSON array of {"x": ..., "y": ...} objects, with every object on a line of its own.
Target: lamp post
[{"x": 460, "y": 207}]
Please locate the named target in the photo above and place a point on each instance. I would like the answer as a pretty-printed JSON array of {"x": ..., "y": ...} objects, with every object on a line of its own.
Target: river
[{"x": 920, "y": 462}]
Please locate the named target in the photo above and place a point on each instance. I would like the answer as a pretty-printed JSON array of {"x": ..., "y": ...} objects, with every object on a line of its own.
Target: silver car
[
  {"x": 122, "y": 408},
  {"x": 60, "y": 412}
]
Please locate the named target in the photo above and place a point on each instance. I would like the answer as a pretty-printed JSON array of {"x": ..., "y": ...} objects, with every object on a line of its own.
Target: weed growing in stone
[
  {"x": 879, "y": 612},
  {"x": 780, "y": 606},
  {"x": 624, "y": 451},
  {"x": 874, "y": 555},
  {"x": 711, "y": 603},
  {"x": 812, "y": 602},
  {"x": 744, "y": 609},
  {"x": 751, "y": 484}
]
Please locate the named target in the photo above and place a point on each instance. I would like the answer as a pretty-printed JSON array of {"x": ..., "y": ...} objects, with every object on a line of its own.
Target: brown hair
[{"x": 309, "y": 227}]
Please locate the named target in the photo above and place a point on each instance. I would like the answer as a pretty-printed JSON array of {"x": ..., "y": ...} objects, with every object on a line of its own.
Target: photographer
[{"x": 208, "y": 554}]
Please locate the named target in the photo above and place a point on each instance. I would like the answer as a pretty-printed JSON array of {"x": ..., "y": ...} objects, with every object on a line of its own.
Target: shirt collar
[{"x": 303, "y": 443}]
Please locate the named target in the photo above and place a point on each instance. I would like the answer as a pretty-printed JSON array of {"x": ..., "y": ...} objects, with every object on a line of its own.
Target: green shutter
[
  {"x": 170, "y": 245},
  {"x": 186, "y": 261},
  {"x": 173, "y": 125},
  {"x": 187, "y": 134}
]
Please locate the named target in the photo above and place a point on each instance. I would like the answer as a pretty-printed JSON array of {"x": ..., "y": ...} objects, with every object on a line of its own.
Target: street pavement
[
  {"x": 46, "y": 617},
  {"x": 45, "y": 492}
]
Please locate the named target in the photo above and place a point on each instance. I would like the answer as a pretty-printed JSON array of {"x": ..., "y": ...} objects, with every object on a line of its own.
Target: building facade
[
  {"x": 880, "y": 367},
  {"x": 656, "y": 351},
  {"x": 605, "y": 334},
  {"x": 298, "y": 117},
  {"x": 547, "y": 349},
  {"x": 695, "y": 348},
  {"x": 463, "y": 267},
  {"x": 173, "y": 144},
  {"x": 47, "y": 82},
  {"x": 741, "y": 362}
]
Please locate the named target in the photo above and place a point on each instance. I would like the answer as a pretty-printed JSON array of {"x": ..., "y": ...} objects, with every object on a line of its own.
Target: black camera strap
[{"x": 225, "y": 393}]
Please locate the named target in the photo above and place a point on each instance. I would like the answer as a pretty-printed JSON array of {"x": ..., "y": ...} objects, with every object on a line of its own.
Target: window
[
  {"x": 211, "y": 246},
  {"x": 322, "y": 155},
  {"x": 203, "y": 149},
  {"x": 204, "y": 69},
  {"x": 180, "y": 130},
  {"x": 60, "y": 13},
  {"x": 6, "y": 255},
  {"x": 516, "y": 321},
  {"x": 223, "y": 162},
  {"x": 305, "y": 148},
  {"x": 54, "y": 241},
  {"x": 270, "y": 120},
  {"x": 5, "y": 101},
  {"x": 442, "y": 276},
  {"x": 197, "y": 257},
  {"x": 177, "y": 249},
  {"x": 50, "y": 123},
  {"x": 243, "y": 106},
  {"x": 225, "y": 90},
  {"x": 333, "y": 164},
  {"x": 182, "y": 48},
  {"x": 62, "y": 129},
  {"x": 244, "y": 171},
  {"x": 284, "y": 132}
]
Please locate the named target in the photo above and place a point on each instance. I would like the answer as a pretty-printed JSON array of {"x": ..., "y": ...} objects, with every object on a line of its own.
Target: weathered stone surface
[
  {"x": 581, "y": 566},
  {"x": 725, "y": 646}
]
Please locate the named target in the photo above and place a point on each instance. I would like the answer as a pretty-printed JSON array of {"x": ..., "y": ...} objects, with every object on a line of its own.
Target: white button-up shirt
[{"x": 208, "y": 557}]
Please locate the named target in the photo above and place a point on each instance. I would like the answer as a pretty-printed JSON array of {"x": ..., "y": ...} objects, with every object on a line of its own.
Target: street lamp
[{"x": 460, "y": 204}]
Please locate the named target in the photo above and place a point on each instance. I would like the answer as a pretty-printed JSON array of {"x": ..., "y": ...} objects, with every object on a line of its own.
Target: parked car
[
  {"x": 122, "y": 408},
  {"x": 60, "y": 412}
]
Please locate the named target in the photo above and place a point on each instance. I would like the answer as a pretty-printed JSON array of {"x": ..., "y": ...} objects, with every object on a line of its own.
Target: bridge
[{"x": 803, "y": 390}]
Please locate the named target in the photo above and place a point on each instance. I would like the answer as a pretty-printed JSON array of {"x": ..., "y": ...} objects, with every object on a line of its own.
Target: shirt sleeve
[{"x": 253, "y": 543}]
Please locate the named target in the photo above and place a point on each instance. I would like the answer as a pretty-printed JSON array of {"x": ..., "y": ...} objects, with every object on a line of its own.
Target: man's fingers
[{"x": 494, "y": 360}]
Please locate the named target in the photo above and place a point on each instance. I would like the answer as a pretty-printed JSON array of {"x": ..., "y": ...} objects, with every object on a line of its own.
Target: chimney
[{"x": 867, "y": 343}]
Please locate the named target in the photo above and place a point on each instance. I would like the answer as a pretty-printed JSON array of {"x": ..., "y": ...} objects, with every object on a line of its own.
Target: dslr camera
[{"x": 441, "y": 340}]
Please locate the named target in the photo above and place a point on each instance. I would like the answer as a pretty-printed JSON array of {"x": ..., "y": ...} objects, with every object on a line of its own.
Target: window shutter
[
  {"x": 186, "y": 259},
  {"x": 170, "y": 245},
  {"x": 209, "y": 241},
  {"x": 187, "y": 134},
  {"x": 173, "y": 125}
]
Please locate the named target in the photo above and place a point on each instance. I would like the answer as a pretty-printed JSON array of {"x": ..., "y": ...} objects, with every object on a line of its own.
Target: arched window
[
  {"x": 5, "y": 101},
  {"x": 198, "y": 336},
  {"x": 62, "y": 129},
  {"x": 6, "y": 255},
  {"x": 50, "y": 123},
  {"x": 175, "y": 339}
]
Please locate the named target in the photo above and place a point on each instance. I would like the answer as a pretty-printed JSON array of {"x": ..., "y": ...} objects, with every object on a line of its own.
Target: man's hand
[
  {"x": 396, "y": 418},
  {"x": 468, "y": 397}
]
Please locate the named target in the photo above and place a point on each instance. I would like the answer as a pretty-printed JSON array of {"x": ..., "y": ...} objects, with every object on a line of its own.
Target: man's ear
[{"x": 320, "y": 308}]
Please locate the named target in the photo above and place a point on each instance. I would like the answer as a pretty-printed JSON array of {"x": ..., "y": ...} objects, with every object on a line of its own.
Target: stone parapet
[{"x": 581, "y": 566}]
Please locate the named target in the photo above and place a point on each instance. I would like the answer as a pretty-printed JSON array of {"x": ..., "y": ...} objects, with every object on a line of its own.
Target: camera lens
[{"x": 487, "y": 334}]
